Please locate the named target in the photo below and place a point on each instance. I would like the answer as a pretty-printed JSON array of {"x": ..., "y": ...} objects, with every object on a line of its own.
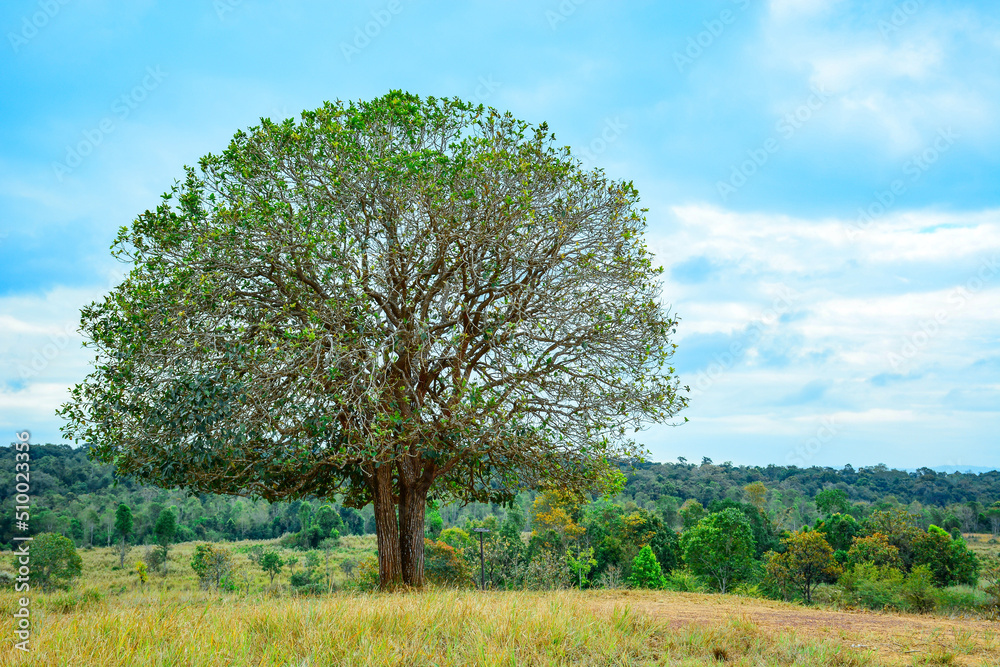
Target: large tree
[{"x": 387, "y": 301}]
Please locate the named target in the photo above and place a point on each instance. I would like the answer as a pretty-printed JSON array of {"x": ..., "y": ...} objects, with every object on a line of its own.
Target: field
[{"x": 109, "y": 620}]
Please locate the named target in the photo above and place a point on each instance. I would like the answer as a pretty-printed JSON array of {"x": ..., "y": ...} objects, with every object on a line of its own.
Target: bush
[
  {"x": 211, "y": 562},
  {"x": 445, "y": 566},
  {"x": 960, "y": 599},
  {"x": 54, "y": 561},
  {"x": 646, "y": 571},
  {"x": 685, "y": 581},
  {"x": 918, "y": 590},
  {"x": 991, "y": 580},
  {"x": 872, "y": 586},
  {"x": 366, "y": 575},
  {"x": 546, "y": 571}
]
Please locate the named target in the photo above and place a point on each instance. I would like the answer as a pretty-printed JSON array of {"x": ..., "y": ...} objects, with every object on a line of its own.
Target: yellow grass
[{"x": 172, "y": 622}]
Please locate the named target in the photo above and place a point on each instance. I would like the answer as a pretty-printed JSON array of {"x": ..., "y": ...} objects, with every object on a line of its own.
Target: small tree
[
  {"x": 165, "y": 530},
  {"x": 832, "y": 501},
  {"x": 271, "y": 563},
  {"x": 211, "y": 563},
  {"x": 54, "y": 561},
  {"x": 876, "y": 550},
  {"x": 646, "y": 571},
  {"x": 142, "y": 572},
  {"x": 720, "y": 547},
  {"x": 806, "y": 561},
  {"x": 756, "y": 494},
  {"x": 328, "y": 521},
  {"x": 123, "y": 525}
]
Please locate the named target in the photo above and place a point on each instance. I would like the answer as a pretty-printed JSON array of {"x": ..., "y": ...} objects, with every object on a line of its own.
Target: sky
[{"x": 822, "y": 179}]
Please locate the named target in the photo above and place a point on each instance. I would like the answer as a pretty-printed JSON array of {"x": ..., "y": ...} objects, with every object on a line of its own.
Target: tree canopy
[{"x": 390, "y": 300}]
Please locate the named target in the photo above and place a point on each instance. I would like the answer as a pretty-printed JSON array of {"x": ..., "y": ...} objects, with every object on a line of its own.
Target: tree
[
  {"x": 756, "y": 494},
  {"x": 876, "y": 550},
  {"x": 54, "y": 561},
  {"x": 840, "y": 531},
  {"x": 123, "y": 525},
  {"x": 950, "y": 561},
  {"x": 721, "y": 547},
  {"x": 387, "y": 300},
  {"x": 806, "y": 561},
  {"x": 165, "y": 530},
  {"x": 328, "y": 521},
  {"x": 832, "y": 501},
  {"x": 271, "y": 563},
  {"x": 646, "y": 571},
  {"x": 691, "y": 512},
  {"x": 211, "y": 562}
]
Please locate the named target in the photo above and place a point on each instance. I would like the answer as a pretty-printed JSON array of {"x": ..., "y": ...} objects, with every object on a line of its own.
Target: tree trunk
[
  {"x": 412, "y": 509},
  {"x": 386, "y": 529}
]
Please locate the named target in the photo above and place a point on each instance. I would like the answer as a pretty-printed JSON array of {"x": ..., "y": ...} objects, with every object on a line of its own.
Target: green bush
[
  {"x": 445, "y": 566},
  {"x": 960, "y": 599},
  {"x": 872, "y": 586},
  {"x": 646, "y": 571},
  {"x": 685, "y": 581},
  {"x": 918, "y": 590}
]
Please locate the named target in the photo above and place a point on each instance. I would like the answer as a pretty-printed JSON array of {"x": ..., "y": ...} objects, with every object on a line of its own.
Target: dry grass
[
  {"x": 429, "y": 628},
  {"x": 172, "y": 622}
]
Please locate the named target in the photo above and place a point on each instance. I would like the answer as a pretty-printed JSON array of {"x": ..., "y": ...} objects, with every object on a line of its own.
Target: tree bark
[
  {"x": 412, "y": 509},
  {"x": 386, "y": 528}
]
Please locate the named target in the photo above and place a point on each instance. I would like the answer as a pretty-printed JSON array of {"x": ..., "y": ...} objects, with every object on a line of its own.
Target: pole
[{"x": 482, "y": 564}]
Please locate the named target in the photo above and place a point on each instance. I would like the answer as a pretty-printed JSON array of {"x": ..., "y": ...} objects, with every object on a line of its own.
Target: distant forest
[{"x": 76, "y": 497}]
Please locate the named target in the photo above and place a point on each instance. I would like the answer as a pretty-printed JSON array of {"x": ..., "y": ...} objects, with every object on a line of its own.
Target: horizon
[{"x": 822, "y": 179}]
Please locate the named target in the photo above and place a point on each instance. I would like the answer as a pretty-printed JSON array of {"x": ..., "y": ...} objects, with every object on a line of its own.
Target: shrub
[
  {"x": 991, "y": 580},
  {"x": 211, "y": 562},
  {"x": 546, "y": 570},
  {"x": 918, "y": 590},
  {"x": 872, "y": 586},
  {"x": 875, "y": 550},
  {"x": 54, "y": 561},
  {"x": 646, "y": 571},
  {"x": 445, "y": 566},
  {"x": 685, "y": 581},
  {"x": 366, "y": 575}
]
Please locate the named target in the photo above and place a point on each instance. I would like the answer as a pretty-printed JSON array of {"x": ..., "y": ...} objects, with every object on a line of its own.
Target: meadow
[{"x": 109, "y": 618}]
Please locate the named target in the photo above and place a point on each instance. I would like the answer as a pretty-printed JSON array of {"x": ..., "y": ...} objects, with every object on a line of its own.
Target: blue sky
[{"x": 822, "y": 178}]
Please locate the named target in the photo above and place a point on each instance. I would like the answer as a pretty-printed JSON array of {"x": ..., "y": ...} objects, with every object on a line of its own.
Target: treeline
[{"x": 73, "y": 496}]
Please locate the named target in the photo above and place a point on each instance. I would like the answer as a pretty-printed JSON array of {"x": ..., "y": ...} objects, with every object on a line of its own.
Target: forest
[{"x": 77, "y": 497}]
